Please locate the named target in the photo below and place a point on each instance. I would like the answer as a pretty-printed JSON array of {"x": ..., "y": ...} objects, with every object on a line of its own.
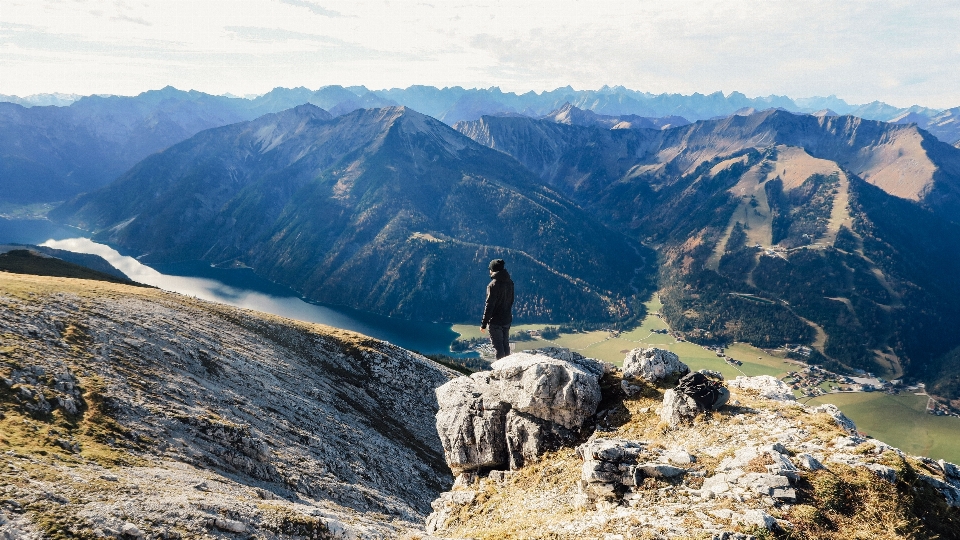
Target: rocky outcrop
[
  {"x": 527, "y": 404},
  {"x": 841, "y": 419},
  {"x": 758, "y": 466}
]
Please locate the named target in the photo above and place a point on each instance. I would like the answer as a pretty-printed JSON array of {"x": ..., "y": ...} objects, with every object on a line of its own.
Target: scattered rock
[
  {"x": 886, "y": 473},
  {"x": 445, "y": 507},
  {"x": 654, "y": 366},
  {"x": 757, "y": 518},
  {"x": 808, "y": 462},
  {"x": 680, "y": 457},
  {"x": 230, "y": 525},
  {"x": 129, "y": 530},
  {"x": 660, "y": 470},
  {"x": 950, "y": 492}
]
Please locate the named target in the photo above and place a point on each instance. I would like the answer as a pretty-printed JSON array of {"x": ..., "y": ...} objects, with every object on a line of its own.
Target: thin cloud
[
  {"x": 135, "y": 20},
  {"x": 314, "y": 7}
]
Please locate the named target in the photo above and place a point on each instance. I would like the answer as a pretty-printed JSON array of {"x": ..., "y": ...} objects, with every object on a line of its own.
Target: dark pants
[{"x": 500, "y": 337}]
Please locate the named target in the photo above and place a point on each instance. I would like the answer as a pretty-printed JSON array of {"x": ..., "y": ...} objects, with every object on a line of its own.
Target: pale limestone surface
[{"x": 234, "y": 420}]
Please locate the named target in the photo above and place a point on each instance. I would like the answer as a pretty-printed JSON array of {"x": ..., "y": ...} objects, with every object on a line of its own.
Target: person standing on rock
[{"x": 498, "y": 309}]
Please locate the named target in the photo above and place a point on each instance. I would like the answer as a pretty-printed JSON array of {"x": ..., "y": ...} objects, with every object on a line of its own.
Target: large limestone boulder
[
  {"x": 524, "y": 406},
  {"x": 653, "y": 366},
  {"x": 554, "y": 390}
]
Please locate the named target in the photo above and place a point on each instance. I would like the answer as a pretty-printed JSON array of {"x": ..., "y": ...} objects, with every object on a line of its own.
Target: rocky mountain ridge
[
  {"x": 135, "y": 413},
  {"x": 657, "y": 465}
]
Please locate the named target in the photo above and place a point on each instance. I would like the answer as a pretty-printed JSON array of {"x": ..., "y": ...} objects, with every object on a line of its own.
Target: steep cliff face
[{"x": 127, "y": 407}]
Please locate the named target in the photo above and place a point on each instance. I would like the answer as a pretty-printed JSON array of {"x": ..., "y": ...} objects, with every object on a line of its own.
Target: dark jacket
[{"x": 498, "y": 309}]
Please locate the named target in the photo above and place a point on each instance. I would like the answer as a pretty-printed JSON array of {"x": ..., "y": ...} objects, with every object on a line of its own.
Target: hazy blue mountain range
[
  {"x": 776, "y": 228},
  {"x": 58, "y": 99},
  {"x": 52, "y": 152},
  {"x": 386, "y": 210}
]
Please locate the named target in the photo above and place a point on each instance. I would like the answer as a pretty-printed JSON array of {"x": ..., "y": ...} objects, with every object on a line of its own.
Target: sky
[{"x": 900, "y": 52}]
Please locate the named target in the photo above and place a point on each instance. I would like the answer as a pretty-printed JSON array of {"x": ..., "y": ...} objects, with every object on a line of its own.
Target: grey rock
[
  {"x": 629, "y": 388},
  {"x": 949, "y": 469},
  {"x": 615, "y": 450},
  {"x": 590, "y": 365},
  {"x": 129, "y": 530},
  {"x": 678, "y": 408},
  {"x": 230, "y": 525},
  {"x": 765, "y": 385},
  {"x": 809, "y": 462},
  {"x": 841, "y": 419},
  {"x": 601, "y": 472},
  {"x": 757, "y": 518},
  {"x": 784, "y": 494},
  {"x": 653, "y": 365},
  {"x": 782, "y": 466},
  {"x": 501, "y": 477},
  {"x": 554, "y": 390},
  {"x": 680, "y": 457},
  {"x": 471, "y": 428},
  {"x": 660, "y": 470},
  {"x": 529, "y": 437},
  {"x": 949, "y": 492},
  {"x": 716, "y": 484},
  {"x": 525, "y": 405},
  {"x": 444, "y": 507}
]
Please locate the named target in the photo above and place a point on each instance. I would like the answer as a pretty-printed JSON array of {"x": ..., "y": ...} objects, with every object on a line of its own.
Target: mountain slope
[
  {"x": 52, "y": 153},
  {"x": 181, "y": 417},
  {"x": 385, "y": 210}
]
